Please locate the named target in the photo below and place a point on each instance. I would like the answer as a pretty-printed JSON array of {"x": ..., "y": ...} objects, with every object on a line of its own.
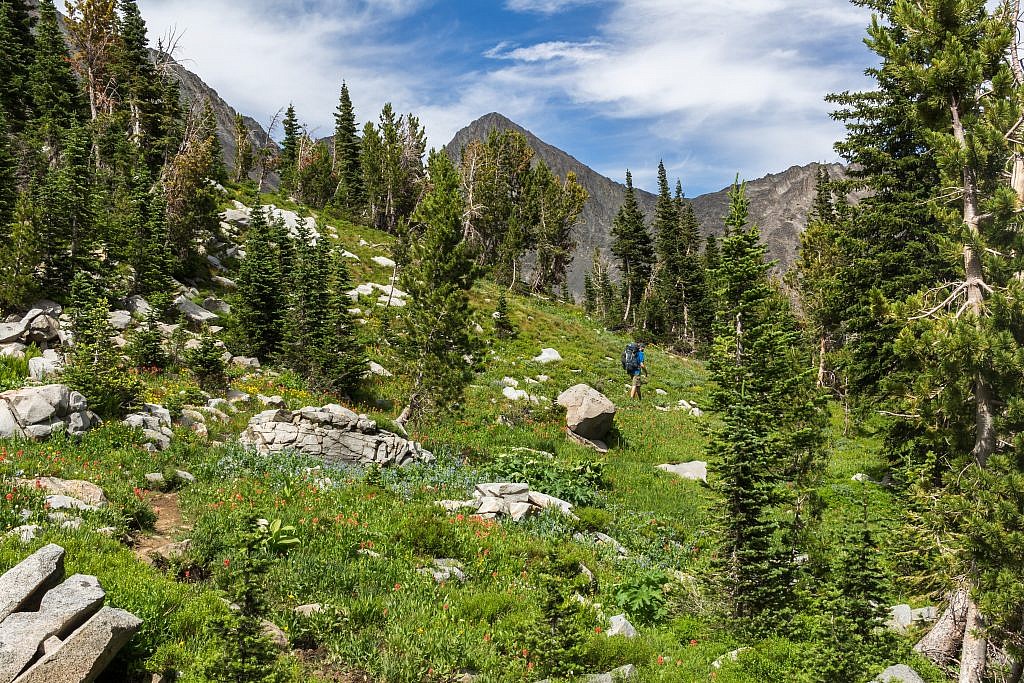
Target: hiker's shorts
[{"x": 636, "y": 380}]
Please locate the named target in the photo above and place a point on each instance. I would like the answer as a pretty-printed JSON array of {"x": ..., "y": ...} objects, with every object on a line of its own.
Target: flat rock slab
[
  {"x": 85, "y": 491},
  {"x": 61, "y": 610},
  {"x": 38, "y": 572},
  {"x": 83, "y": 655},
  {"x": 694, "y": 471}
]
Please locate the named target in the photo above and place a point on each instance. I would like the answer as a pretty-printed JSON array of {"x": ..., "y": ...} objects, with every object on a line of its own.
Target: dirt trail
[{"x": 169, "y": 523}]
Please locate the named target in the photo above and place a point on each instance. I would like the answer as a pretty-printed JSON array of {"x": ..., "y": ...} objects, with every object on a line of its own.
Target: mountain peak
[{"x": 779, "y": 202}]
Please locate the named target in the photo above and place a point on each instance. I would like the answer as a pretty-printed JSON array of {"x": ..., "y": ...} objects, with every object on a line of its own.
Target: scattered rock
[
  {"x": 83, "y": 655},
  {"x": 601, "y": 539},
  {"x": 548, "y": 356},
  {"x": 589, "y": 413},
  {"x": 899, "y": 673},
  {"x": 156, "y": 480},
  {"x": 623, "y": 673},
  {"x": 215, "y": 305},
  {"x": 445, "y": 570},
  {"x": 349, "y": 255},
  {"x": 38, "y": 412},
  {"x": 137, "y": 304},
  {"x": 728, "y": 656},
  {"x": 383, "y": 261},
  {"x": 224, "y": 282},
  {"x": 379, "y": 370},
  {"x": 83, "y": 491},
  {"x": 863, "y": 478},
  {"x": 13, "y": 350},
  {"x": 155, "y": 424},
  {"x": 509, "y": 382},
  {"x": 235, "y": 396},
  {"x": 309, "y": 610},
  {"x": 41, "y": 571},
  {"x": 694, "y": 471},
  {"x": 514, "y": 500},
  {"x": 661, "y": 392},
  {"x": 246, "y": 362},
  {"x": 333, "y": 433},
  {"x": 274, "y": 634},
  {"x": 120, "y": 320},
  {"x": 192, "y": 312},
  {"x": 620, "y": 626},
  {"x": 902, "y": 617},
  {"x": 272, "y": 401},
  {"x": 41, "y": 367},
  {"x": 518, "y": 395}
]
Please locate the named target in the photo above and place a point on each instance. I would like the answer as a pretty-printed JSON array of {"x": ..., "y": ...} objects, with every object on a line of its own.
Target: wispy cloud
[
  {"x": 544, "y": 6},
  {"x": 542, "y": 52}
]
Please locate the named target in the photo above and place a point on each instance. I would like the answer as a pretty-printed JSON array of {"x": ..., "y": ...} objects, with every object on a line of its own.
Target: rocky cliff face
[
  {"x": 779, "y": 203},
  {"x": 195, "y": 92}
]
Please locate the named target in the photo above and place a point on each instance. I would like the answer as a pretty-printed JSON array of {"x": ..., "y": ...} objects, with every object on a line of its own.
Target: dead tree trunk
[
  {"x": 942, "y": 644},
  {"x": 975, "y": 648}
]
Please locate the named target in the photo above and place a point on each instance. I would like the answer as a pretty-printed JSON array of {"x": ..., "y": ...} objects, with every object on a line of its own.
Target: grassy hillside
[{"x": 526, "y": 609}]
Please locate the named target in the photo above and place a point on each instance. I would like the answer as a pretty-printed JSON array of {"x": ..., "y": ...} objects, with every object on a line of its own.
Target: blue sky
[{"x": 714, "y": 88}]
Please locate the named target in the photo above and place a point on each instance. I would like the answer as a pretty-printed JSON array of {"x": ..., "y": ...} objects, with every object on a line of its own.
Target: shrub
[
  {"x": 206, "y": 362},
  {"x": 577, "y": 483}
]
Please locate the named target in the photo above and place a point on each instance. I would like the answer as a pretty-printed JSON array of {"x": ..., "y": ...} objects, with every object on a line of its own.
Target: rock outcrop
[
  {"x": 589, "y": 413},
  {"x": 333, "y": 433},
  {"x": 52, "y": 632},
  {"x": 38, "y": 412},
  {"x": 513, "y": 500}
]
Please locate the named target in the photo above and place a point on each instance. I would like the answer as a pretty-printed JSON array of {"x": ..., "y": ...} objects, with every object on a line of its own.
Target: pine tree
[
  {"x": 139, "y": 85},
  {"x": 65, "y": 214},
  {"x": 94, "y": 366},
  {"x": 503, "y": 327},
  {"x": 55, "y": 100},
  {"x": 347, "y": 161},
  {"x": 16, "y": 46},
  {"x": 631, "y": 245},
  {"x": 260, "y": 304},
  {"x": 20, "y": 254},
  {"x": 92, "y": 27},
  {"x": 191, "y": 213},
  {"x": 289, "y": 148},
  {"x": 559, "y": 207},
  {"x": 438, "y": 280},
  {"x": 208, "y": 132},
  {"x": 694, "y": 289},
  {"x": 956, "y": 64},
  {"x": 8, "y": 186},
  {"x": 314, "y": 182},
  {"x": 771, "y": 435}
]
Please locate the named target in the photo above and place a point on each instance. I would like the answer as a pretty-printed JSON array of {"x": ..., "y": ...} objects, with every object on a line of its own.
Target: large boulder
[
  {"x": 37, "y": 412},
  {"x": 192, "y": 312},
  {"x": 48, "y": 364},
  {"x": 589, "y": 413},
  {"x": 333, "y": 433}
]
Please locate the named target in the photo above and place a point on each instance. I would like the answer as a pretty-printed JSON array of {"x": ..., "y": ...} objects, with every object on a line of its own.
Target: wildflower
[
  {"x": 398, "y": 586},
  {"x": 529, "y": 666},
  {"x": 227, "y": 562},
  {"x": 661, "y": 660},
  {"x": 10, "y": 496},
  {"x": 597, "y": 629},
  {"x": 525, "y": 652},
  {"x": 693, "y": 642},
  {"x": 487, "y": 637}
]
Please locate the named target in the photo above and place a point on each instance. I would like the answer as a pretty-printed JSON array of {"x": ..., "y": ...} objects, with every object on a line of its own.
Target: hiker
[{"x": 633, "y": 364}]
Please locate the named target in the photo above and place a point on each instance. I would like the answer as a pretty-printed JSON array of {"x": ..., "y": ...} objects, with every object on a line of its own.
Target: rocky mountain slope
[{"x": 778, "y": 203}]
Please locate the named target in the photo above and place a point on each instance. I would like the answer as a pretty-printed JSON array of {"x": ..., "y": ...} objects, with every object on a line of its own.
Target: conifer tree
[
  {"x": 957, "y": 67},
  {"x": 16, "y": 47},
  {"x": 260, "y": 304},
  {"x": 55, "y": 100},
  {"x": 94, "y": 366},
  {"x": 192, "y": 211},
  {"x": 243, "y": 161},
  {"x": 8, "y": 187},
  {"x": 139, "y": 86},
  {"x": 347, "y": 161},
  {"x": 314, "y": 181},
  {"x": 289, "y": 147},
  {"x": 92, "y": 27},
  {"x": 20, "y": 254},
  {"x": 771, "y": 435},
  {"x": 503, "y": 326},
  {"x": 438, "y": 279},
  {"x": 65, "y": 214},
  {"x": 559, "y": 207},
  {"x": 694, "y": 291},
  {"x": 631, "y": 244}
]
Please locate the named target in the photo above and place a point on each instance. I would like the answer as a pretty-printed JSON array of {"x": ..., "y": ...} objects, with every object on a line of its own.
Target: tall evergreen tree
[
  {"x": 289, "y": 147},
  {"x": 55, "y": 99},
  {"x": 261, "y": 301},
  {"x": 20, "y": 254},
  {"x": 631, "y": 245},
  {"x": 8, "y": 181},
  {"x": 559, "y": 209},
  {"x": 438, "y": 280},
  {"x": 92, "y": 27},
  {"x": 347, "y": 161},
  {"x": 16, "y": 47},
  {"x": 243, "y": 161},
  {"x": 770, "y": 440},
  {"x": 955, "y": 64}
]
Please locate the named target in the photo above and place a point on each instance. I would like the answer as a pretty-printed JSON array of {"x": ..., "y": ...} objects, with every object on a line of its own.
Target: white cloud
[
  {"x": 544, "y": 6},
  {"x": 752, "y": 80}
]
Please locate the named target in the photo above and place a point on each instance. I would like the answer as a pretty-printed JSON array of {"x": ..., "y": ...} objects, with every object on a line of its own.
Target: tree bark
[
  {"x": 943, "y": 642},
  {"x": 975, "y": 647},
  {"x": 821, "y": 363}
]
